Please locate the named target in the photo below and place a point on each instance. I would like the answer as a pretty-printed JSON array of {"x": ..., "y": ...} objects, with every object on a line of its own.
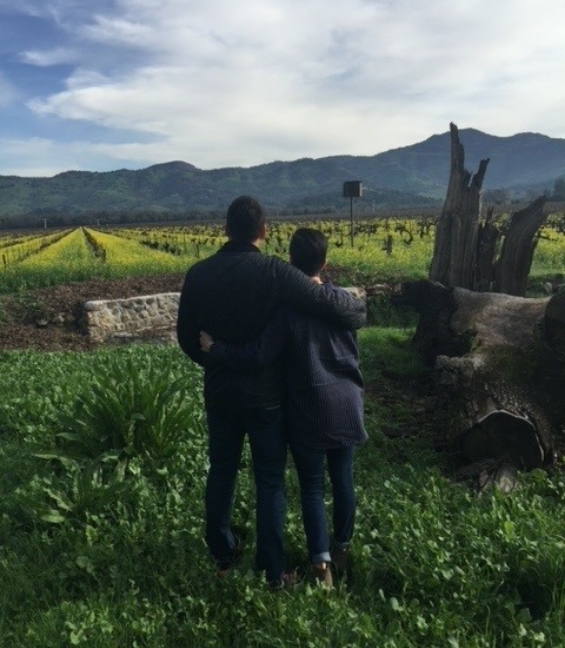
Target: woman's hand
[{"x": 206, "y": 341}]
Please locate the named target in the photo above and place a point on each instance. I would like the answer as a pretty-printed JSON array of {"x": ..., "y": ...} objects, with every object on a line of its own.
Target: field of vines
[
  {"x": 103, "y": 465},
  {"x": 378, "y": 250}
]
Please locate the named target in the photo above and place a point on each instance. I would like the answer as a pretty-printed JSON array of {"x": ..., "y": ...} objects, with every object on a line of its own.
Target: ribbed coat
[
  {"x": 233, "y": 294},
  {"x": 323, "y": 381}
]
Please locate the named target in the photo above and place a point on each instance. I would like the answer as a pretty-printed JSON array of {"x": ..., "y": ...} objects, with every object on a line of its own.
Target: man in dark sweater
[
  {"x": 324, "y": 402},
  {"x": 233, "y": 294}
]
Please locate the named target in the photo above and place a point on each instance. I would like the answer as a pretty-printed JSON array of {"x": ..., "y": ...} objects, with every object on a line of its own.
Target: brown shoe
[
  {"x": 223, "y": 566},
  {"x": 323, "y": 574},
  {"x": 288, "y": 580},
  {"x": 341, "y": 559}
]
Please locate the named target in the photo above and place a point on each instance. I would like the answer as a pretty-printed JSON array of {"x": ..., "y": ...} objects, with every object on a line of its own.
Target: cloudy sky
[{"x": 100, "y": 85}]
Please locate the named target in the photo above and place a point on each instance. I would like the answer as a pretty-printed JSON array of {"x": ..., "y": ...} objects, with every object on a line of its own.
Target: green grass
[{"x": 106, "y": 550}]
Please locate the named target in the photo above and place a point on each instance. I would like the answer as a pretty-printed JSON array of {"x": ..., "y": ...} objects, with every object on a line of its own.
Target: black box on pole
[{"x": 352, "y": 189}]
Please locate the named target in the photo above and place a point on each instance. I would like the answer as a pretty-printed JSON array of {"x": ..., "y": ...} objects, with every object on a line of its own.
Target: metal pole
[{"x": 351, "y": 218}]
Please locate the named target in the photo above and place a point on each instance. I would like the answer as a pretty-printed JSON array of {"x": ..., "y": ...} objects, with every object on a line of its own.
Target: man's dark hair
[
  {"x": 245, "y": 220},
  {"x": 308, "y": 248}
]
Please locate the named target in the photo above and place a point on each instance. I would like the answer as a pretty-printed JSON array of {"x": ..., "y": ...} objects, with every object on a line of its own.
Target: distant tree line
[
  {"x": 54, "y": 220},
  {"x": 559, "y": 190},
  {"x": 504, "y": 196}
]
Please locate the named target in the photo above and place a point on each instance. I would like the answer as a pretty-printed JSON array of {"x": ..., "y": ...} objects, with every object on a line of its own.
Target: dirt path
[{"x": 48, "y": 319}]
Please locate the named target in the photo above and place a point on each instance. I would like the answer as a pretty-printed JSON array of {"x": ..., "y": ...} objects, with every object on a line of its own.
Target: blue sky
[{"x": 99, "y": 85}]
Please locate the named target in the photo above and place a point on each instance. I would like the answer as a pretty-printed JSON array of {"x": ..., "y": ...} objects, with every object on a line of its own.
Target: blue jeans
[
  {"x": 309, "y": 464},
  {"x": 227, "y": 429}
]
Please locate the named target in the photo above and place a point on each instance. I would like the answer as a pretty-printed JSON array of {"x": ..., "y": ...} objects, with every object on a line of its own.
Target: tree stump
[
  {"x": 465, "y": 243},
  {"x": 455, "y": 244},
  {"x": 513, "y": 267},
  {"x": 499, "y": 368}
]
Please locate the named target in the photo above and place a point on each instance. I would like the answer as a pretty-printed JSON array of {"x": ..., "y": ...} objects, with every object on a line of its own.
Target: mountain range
[{"x": 410, "y": 176}]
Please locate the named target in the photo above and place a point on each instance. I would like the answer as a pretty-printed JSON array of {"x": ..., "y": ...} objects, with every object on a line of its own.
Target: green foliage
[
  {"x": 387, "y": 352},
  {"x": 128, "y": 411},
  {"x": 79, "y": 491},
  {"x": 94, "y": 552},
  {"x": 382, "y": 312}
]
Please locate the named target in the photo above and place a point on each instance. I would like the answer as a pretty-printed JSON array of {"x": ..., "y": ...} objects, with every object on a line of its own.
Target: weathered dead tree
[
  {"x": 466, "y": 243},
  {"x": 455, "y": 246},
  {"x": 513, "y": 267},
  {"x": 499, "y": 358},
  {"x": 499, "y": 365},
  {"x": 488, "y": 237}
]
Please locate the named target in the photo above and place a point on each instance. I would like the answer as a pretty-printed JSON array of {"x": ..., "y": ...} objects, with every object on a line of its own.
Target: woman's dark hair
[
  {"x": 308, "y": 248},
  {"x": 245, "y": 220}
]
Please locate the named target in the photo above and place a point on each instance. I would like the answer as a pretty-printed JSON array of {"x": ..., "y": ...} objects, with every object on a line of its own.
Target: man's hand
[{"x": 206, "y": 341}]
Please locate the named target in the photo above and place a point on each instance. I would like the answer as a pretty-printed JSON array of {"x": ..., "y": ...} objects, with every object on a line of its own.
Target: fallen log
[{"x": 499, "y": 370}]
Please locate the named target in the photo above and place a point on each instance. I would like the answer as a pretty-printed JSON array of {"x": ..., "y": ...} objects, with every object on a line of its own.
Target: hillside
[{"x": 411, "y": 176}]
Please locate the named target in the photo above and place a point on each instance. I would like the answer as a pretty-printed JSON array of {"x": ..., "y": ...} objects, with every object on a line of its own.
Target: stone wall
[
  {"x": 123, "y": 320},
  {"x": 151, "y": 317}
]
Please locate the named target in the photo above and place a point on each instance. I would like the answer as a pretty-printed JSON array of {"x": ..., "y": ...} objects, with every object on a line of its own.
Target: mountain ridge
[{"x": 408, "y": 176}]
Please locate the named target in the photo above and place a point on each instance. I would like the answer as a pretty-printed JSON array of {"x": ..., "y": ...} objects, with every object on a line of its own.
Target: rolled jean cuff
[
  {"x": 321, "y": 557},
  {"x": 340, "y": 546}
]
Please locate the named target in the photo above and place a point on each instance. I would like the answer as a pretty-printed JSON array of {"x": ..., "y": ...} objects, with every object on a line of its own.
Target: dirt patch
[{"x": 49, "y": 319}]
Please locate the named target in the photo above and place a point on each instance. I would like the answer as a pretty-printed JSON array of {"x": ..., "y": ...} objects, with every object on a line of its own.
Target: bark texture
[
  {"x": 455, "y": 246},
  {"x": 513, "y": 267},
  {"x": 466, "y": 243},
  {"x": 499, "y": 369}
]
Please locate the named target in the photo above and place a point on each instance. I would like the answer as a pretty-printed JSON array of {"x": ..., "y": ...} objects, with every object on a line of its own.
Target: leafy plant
[
  {"x": 98, "y": 550},
  {"x": 127, "y": 411},
  {"x": 84, "y": 489}
]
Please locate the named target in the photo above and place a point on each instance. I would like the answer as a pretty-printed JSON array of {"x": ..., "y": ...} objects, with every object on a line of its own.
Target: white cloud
[
  {"x": 118, "y": 31},
  {"x": 218, "y": 83},
  {"x": 34, "y": 156},
  {"x": 47, "y": 58}
]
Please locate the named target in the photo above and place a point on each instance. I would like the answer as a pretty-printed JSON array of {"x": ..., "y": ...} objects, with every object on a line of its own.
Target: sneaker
[{"x": 323, "y": 574}]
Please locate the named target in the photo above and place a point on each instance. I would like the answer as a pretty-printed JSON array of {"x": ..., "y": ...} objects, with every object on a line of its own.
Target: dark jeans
[
  {"x": 227, "y": 429},
  {"x": 311, "y": 476}
]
